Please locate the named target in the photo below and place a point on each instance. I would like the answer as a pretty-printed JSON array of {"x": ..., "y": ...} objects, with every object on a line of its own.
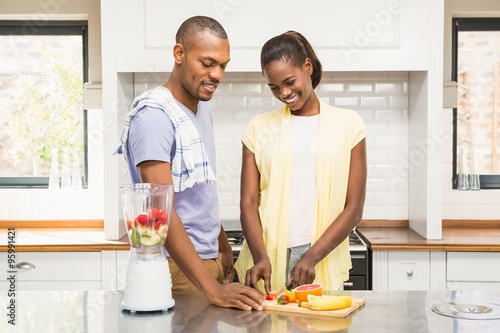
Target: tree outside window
[{"x": 41, "y": 107}]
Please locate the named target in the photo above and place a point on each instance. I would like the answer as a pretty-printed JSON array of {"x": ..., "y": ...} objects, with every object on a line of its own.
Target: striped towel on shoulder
[{"x": 190, "y": 163}]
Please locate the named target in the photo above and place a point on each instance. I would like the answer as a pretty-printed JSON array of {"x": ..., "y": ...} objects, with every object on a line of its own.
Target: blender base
[
  {"x": 148, "y": 287},
  {"x": 161, "y": 307}
]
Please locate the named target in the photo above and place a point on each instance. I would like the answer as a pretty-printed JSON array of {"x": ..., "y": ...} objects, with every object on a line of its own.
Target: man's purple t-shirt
[{"x": 151, "y": 137}]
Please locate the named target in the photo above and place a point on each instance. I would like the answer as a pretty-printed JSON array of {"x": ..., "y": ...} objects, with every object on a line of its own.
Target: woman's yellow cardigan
[{"x": 268, "y": 137}]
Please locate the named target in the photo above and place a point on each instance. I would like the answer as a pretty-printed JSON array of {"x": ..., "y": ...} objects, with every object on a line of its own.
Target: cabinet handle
[
  {"x": 25, "y": 265},
  {"x": 348, "y": 284},
  {"x": 409, "y": 272}
]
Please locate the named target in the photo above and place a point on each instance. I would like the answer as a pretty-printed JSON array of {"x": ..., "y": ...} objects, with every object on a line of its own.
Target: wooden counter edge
[
  {"x": 418, "y": 243},
  {"x": 450, "y": 248},
  {"x": 51, "y": 224},
  {"x": 68, "y": 248},
  {"x": 447, "y": 223},
  {"x": 85, "y": 246}
]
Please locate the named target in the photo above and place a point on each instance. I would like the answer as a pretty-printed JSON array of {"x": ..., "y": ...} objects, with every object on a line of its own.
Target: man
[{"x": 168, "y": 138}]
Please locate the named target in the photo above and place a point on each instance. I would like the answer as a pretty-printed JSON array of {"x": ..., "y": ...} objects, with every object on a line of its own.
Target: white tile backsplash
[
  {"x": 239, "y": 97},
  {"x": 379, "y": 97},
  {"x": 43, "y": 204}
]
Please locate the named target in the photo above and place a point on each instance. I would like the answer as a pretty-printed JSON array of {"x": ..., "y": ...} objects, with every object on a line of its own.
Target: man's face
[{"x": 203, "y": 66}]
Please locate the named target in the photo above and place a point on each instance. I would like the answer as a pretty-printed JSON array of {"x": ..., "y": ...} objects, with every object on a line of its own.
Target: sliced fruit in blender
[
  {"x": 134, "y": 237},
  {"x": 162, "y": 231},
  {"x": 151, "y": 241},
  {"x": 142, "y": 219},
  {"x": 149, "y": 232}
]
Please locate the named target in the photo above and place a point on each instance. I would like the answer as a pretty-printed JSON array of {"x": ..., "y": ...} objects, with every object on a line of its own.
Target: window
[
  {"x": 476, "y": 120},
  {"x": 42, "y": 71}
]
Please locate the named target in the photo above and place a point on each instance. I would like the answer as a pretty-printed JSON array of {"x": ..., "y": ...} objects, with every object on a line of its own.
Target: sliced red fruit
[
  {"x": 157, "y": 224},
  {"x": 153, "y": 213},
  {"x": 142, "y": 219},
  {"x": 162, "y": 215},
  {"x": 308, "y": 289},
  {"x": 129, "y": 225},
  {"x": 271, "y": 296},
  {"x": 309, "y": 286},
  {"x": 283, "y": 299}
]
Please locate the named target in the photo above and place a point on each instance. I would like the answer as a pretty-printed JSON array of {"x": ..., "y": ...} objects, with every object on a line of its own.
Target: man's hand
[
  {"x": 226, "y": 256},
  {"x": 227, "y": 266},
  {"x": 236, "y": 295}
]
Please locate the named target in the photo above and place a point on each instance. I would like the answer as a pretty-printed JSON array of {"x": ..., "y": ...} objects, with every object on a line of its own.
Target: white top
[{"x": 303, "y": 189}]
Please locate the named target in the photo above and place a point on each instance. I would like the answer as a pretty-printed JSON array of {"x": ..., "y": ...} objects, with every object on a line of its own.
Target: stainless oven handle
[
  {"x": 348, "y": 284},
  {"x": 358, "y": 256}
]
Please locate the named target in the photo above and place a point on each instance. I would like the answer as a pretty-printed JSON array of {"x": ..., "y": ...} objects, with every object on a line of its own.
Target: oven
[{"x": 359, "y": 275}]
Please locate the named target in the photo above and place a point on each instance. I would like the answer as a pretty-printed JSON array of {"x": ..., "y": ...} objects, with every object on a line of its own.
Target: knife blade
[{"x": 285, "y": 288}]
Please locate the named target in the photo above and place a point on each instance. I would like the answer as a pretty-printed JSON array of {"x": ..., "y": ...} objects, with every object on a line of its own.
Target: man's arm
[
  {"x": 226, "y": 256},
  {"x": 182, "y": 251}
]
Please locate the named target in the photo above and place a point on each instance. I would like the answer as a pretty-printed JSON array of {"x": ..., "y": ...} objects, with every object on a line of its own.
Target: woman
[{"x": 303, "y": 177}]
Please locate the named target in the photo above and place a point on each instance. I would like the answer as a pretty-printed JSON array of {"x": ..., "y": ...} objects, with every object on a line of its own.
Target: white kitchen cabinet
[
  {"x": 363, "y": 36},
  {"x": 121, "y": 268},
  {"x": 55, "y": 271},
  {"x": 408, "y": 270},
  {"x": 473, "y": 270}
]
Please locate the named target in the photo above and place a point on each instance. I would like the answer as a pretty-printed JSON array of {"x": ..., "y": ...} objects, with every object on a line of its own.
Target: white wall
[
  {"x": 484, "y": 204},
  {"x": 40, "y": 204},
  {"x": 381, "y": 98},
  {"x": 386, "y": 126}
]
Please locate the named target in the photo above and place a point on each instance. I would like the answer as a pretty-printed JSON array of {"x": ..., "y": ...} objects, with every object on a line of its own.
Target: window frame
[
  {"x": 488, "y": 181},
  {"x": 62, "y": 28}
]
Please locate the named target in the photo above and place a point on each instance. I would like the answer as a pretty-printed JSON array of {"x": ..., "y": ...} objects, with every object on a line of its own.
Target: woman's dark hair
[{"x": 292, "y": 48}]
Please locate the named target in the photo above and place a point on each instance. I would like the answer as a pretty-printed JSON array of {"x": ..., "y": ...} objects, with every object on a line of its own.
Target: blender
[{"x": 148, "y": 283}]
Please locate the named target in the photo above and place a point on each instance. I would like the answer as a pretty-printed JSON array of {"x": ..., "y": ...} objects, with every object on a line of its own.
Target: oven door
[{"x": 359, "y": 275}]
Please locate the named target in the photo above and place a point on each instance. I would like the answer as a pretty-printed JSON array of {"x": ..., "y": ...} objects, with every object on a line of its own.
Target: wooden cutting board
[{"x": 294, "y": 308}]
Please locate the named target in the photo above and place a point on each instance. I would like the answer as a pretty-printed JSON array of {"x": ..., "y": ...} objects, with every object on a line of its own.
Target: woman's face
[{"x": 291, "y": 85}]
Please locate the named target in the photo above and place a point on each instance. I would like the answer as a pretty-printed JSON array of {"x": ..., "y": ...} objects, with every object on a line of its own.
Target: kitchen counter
[
  {"x": 378, "y": 235},
  {"x": 60, "y": 240},
  {"x": 99, "y": 311},
  {"x": 456, "y": 236}
]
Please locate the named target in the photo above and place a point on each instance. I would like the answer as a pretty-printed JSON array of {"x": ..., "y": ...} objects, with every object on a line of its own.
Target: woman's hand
[
  {"x": 260, "y": 271},
  {"x": 303, "y": 272}
]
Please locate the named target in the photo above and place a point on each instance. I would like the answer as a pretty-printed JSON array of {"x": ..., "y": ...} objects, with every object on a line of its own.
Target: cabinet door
[
  {"x": 473, "y": 270},
  {"x": 121, "y": 268},
  {"x": 56, "y": 270},
  {"x": 369, "y": 34},
  {"x": 408, "y": 270}
]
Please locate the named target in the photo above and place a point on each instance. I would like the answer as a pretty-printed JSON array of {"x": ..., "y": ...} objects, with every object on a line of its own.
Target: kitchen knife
[{"x": 287, "y": 286}]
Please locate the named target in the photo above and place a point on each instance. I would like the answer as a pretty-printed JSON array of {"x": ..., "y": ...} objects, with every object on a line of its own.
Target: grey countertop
[{"x": 99, "y": 311}]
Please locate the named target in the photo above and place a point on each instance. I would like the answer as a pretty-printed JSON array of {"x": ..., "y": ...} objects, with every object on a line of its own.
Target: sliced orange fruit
[
  {"x": 291, "y": 295},
  {"x": 302, "y": 291}
]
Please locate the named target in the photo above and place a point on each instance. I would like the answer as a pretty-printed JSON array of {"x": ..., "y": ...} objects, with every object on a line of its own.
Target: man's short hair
[{"x": 194, "y": 26}]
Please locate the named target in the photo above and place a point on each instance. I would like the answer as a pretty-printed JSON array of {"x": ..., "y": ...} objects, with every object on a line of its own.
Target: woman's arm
[
  {"x": 303, "y": 271},
  {"x": 250, "y": 221}
]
